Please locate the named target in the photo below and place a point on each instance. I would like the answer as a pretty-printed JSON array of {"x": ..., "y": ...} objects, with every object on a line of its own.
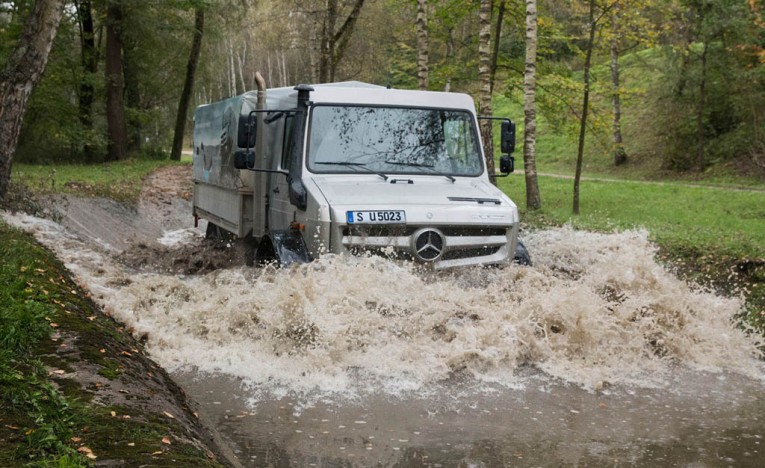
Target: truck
[{"x": 299, "y": 172}]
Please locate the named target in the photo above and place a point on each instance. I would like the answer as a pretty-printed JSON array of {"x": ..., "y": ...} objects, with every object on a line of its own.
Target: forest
[{"x": 676, "y": 86}]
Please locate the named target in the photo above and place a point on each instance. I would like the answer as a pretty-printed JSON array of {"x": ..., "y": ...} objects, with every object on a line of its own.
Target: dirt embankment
[{"x": 128, "y": 411}]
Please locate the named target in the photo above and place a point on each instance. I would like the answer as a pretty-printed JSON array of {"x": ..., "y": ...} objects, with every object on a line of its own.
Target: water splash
[{"x": 595, "y": 310}]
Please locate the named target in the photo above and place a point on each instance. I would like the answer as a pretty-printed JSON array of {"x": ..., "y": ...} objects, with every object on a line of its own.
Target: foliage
[{"x": 660, "y": 94}]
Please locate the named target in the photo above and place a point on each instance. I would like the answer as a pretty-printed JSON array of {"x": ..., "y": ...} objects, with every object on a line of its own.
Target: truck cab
[{"x": 351, "y": 168}]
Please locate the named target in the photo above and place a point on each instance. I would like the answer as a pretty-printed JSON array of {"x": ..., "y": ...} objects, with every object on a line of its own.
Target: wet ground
[{"x": 596, "y": 356}]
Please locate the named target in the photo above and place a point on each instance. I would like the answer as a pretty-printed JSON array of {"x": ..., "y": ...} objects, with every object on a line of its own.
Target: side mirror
[
  {"x": 244, "y": 159},
  {"x": 506, "y": 164},
  {"x": 507, "y": 138},
  {"x": 245, "y": 135}
]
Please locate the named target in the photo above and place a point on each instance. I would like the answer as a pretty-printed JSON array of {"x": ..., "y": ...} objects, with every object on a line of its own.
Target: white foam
[
  {"x": 595, "y": 309},
  {"x": 180, "y": 237}
]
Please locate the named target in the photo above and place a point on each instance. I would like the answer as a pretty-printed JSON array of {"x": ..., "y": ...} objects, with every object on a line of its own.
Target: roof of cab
[{"x": 357, "y": 92}]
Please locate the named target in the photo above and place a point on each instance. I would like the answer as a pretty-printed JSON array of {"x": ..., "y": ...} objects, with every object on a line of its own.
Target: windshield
[{"x": 388, "y": 140}]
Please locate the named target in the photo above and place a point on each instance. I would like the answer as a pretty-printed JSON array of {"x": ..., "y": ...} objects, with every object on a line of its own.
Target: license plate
[{"x": 376, "y": 217}]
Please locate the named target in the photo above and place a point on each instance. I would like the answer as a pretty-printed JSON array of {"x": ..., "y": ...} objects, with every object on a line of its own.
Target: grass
[
  {"x": 119, "y": 180},
  {"x": 719, "y": 221},
  {"x": 49, "y": 327},
  {"x": 35, "y": 414}
]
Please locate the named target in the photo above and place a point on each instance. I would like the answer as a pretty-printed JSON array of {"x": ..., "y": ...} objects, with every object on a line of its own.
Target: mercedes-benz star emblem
[{"x": 428, "y": 245}]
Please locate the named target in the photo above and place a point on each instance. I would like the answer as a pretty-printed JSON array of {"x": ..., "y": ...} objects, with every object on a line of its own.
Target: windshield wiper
[
  {"x": 420, "y": 166},
  {"x": 353, "y": 164}
]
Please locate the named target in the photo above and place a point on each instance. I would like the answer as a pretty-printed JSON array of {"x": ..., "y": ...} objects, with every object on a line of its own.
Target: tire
[
  {"x": 264, "y": 253},
  {"x": 522, "y": 256}
]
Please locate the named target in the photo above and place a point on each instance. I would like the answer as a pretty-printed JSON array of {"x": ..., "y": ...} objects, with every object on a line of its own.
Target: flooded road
[
  {"x": 699, "y": 420},
  {"x": 595, "y": 356}
]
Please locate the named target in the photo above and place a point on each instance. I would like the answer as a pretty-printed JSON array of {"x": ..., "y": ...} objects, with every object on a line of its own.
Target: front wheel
[{"x": 522, "y": 256}]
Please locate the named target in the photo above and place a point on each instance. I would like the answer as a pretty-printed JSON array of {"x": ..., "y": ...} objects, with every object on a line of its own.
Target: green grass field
[{"x": 714, "y": 220}]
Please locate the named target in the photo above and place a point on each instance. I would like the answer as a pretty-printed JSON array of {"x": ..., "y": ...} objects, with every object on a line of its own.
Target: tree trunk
[
  {"x": 115, "y": 105},
  {"x": 422, "y": 44},
  {"x": 533, "y": 199},
  {"x": 700, "y": 114},
  {"x": 343, "y": 37},
  {"x": 188, "y": 85},
  {"x": 497, "y": 36},
  {"x": 484, "y": 78},
  {"x": 131, "y": 75},
  {"x": 327, "y": 46},
  {"x": 620, "y": 154},
  {"x": 22, "y": 71},
  {"x": 89, "y": 68},
  {"x": 585, "y": 106},
  {"x": 333, "y": 44}
]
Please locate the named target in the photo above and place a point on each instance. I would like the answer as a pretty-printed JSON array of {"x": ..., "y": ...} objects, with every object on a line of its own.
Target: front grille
[
  {"x": 396, "y": 241},
  {"x": 469, "y": 253}
]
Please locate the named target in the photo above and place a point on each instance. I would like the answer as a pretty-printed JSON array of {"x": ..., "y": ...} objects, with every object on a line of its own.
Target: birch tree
[
  {"x": 484, "y": 78},
  {"x": 422, "y": 44},
  {"x": 533, "y": 198},
  {"x": 21, "y": 73}
]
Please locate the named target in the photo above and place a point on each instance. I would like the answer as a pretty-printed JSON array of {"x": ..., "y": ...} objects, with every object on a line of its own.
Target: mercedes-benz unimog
[{"x": 353, "y": 167}]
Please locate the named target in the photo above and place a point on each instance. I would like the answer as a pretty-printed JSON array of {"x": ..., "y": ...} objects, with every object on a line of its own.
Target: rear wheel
[{"x": 216, "y": 232}]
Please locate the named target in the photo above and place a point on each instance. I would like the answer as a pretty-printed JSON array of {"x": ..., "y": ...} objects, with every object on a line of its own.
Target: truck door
[{"x": 281, "y": 212}]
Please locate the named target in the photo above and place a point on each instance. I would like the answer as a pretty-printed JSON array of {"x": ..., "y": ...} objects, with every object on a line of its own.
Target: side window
[{"x": 289, "y": 123}]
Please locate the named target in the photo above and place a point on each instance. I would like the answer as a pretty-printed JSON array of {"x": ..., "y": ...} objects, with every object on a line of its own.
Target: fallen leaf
[
  {"x": 13, "y": 428},
  {"x": 54, "y": 325},
  {"x": 131, "y": 444},
  {"x": 87, "y": 452},
  {"x": 23, "y": 269},
  {"x": 125, "y": 353},
  {"x": 168, "y": 415},
  {"x": 166, "y": 440},
  {"x": 102, "y": 350},
  {"x": 59, "y": 371},
  {"x": 29, "y": 431},
  {"x": 92, "y": 317},
  {"x": 127, "y": 416},
  {"x": 76, "y": 440},
  {"x": 39, "y": 270},
  {"x": 114, "y": 414},
  {"x": 159, "y": 452}
]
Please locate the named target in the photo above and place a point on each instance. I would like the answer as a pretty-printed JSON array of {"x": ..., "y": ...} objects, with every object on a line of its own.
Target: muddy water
[{"x": 595, "y": 356}]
